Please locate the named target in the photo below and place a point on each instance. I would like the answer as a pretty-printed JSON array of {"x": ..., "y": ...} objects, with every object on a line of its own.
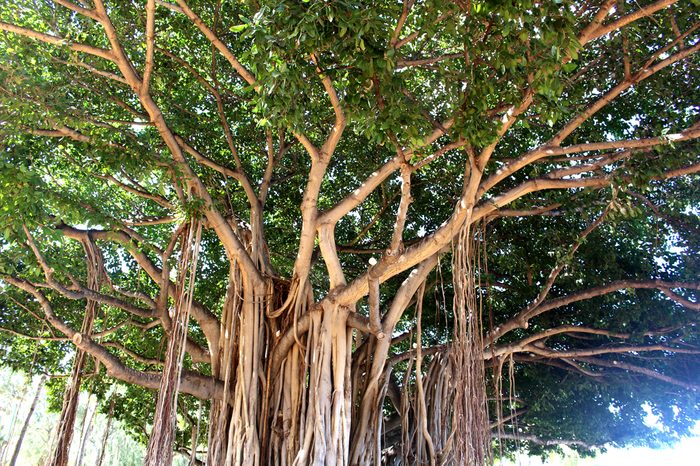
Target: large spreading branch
[
  {"x": 76, "y": 291},
  {"x": 230, "y": 240},
  {"x": 367, "y": 187},
  {"x": 520, "y": 320},
  {"x": 618, "y": 24},
  {"x": 519, "y": 437},
  {"x": 204, "y": 317},
  {"x": 244, "y": 73},
  {"x": 390, "y": 266},
  {"x": 54, "y": 40},
  {"x": 541, "y": 350},
  {"x": 626, "y": 366},
  {"x": 552, "y": 148},
  {"x": 195, "y": 384}
]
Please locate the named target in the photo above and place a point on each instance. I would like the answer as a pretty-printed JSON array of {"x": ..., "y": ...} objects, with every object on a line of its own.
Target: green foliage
[{"x": 466, "y": 61}]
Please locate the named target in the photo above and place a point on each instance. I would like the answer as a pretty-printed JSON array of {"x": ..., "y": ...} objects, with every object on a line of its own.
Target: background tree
[
  {"x": 358, "y": 230},
  {"x": 25, "y": 425}
]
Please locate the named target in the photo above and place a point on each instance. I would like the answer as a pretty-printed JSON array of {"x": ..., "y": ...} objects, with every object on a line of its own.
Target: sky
[{"x": 685, "y": 453}]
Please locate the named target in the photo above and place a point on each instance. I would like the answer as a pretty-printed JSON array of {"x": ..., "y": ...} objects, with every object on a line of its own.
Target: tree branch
[
  {"x": 216, "y": 42},
  {"x": 545, "y": 442},
  {"x": 150, "y": 44},
  {"x": 232, "y": 244},
  {"x": 608, "y": 97},
  {"x": 90, "y": 13},
  {"x": 520, "y": 345},
  {"x": 53, "y": 40},
  {"x": 617, "y": 364},
  {"x": 550, "y": 149},
  {"x": 195, "y": 384},
  {"x": 359, "y": 195},
  {"x": 205, "y": 318},
  {"x": 520, "y": 320},
  {"x": 625, "y": 20}
]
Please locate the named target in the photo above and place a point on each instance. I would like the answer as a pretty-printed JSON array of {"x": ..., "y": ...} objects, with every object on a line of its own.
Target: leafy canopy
[{"x": 441, "y": 84}]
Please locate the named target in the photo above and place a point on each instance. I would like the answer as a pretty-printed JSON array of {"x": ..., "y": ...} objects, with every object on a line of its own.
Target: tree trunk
[
  {"x": 298, "y": 392},
  {"x": 22, "y": 433},
  {"x": 321, "y": 426},
  {"x": 295, "y": 413},
  {"x": 295, "y": 392},
  {"x": 234, "y": 434}
]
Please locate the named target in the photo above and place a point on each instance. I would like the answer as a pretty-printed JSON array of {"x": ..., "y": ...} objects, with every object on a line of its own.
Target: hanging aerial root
[
  {"x": 160, "y": 445},
  {"x": 470, "y": 417},
  {"x": 224, "y": 367},
  {"x": 64, "y": 434}
]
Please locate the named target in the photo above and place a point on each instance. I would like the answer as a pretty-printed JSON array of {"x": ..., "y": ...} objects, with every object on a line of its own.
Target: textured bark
[{"x": 470, "y": 425}]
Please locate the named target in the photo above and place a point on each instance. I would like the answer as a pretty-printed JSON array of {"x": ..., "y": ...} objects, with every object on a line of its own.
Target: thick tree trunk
[
  {"x": 325, "y": 430},
  {"x": 25, "y": 426},
  {"x": 297, "y": 413},
  {"x": 235, "y": 421},
  {"x": 297, "y": 391},
  {"x": 322, "y": 403}
]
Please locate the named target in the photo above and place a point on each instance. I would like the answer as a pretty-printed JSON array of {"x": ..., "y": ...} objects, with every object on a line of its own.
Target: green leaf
[{"x": 239, "y": 27}]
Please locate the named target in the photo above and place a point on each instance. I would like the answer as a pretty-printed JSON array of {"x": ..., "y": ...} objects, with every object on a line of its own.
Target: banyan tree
[{"x": 348, "y": 233}]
